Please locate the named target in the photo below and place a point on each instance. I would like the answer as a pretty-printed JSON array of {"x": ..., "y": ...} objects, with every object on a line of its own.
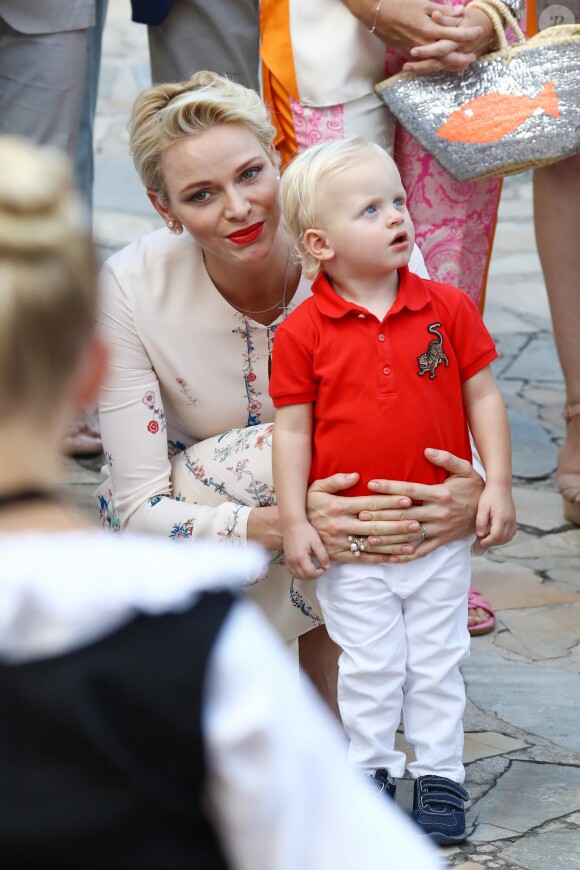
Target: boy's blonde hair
[
  {"x": 301, "y": 185},
  {"x": 165, "y": 113},
  {"x": 47, "y": 278}
]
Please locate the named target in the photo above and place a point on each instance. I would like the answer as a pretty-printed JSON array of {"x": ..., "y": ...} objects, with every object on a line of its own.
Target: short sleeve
[
  {"x": 473, "y": 345},
  {"x": 292, "y": 380}
]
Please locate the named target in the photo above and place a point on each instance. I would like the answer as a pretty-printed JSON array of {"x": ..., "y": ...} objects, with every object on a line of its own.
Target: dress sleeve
[
  {"x": 133, "y": 429},
  {"x": 281, "y": 790}
]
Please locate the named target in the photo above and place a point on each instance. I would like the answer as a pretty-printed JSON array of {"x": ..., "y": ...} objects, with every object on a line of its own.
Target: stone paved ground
[{"x": 522, "y": 736}]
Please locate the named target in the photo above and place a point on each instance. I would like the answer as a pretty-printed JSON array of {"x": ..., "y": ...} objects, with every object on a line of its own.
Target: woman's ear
[
  {"x": 158, "y": 205},
  {"x": 317, "y": 246}
]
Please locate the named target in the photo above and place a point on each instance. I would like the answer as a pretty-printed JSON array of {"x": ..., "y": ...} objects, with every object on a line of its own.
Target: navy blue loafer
[
  {"x": 438, "y": 809},
  {"x": 383, "y": 783}
]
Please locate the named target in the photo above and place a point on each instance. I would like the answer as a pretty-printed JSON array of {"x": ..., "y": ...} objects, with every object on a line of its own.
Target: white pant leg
[
  {"x": 365, "y": 619},
  {"x": 435, "y": 617}
]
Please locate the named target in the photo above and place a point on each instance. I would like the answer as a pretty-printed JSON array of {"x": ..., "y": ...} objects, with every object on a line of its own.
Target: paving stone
[
  {"x": 515, "y": 235},
  {"x": 534, "y": 453},
  {"x": 540, "y": 510},
  {"x": 538, "y": 361},
  {"x": 487, "y": 743},
  {"x": 76, "y": 473},
  {"x": 565, "y": 544},
  {"x": 500, "y": 321},
  {"x": 509, "y": 586},
  {"x": 477, "y": 745},
  {"x": 541, "y": 701},
  {"x": 547, "y": 851},
  {"x": 514, "y": 209},
  {"x": 527, "y": 295},
  {"x": 566, "y": 576},
  {"x": 526, "y": 796},
  {"x": 516, "y": 263},
  {"x": 115, "y": 229},
  {"x": 544, "y": 633},
  {"x": 469, "y": 866},
  {"x": 118, "y": 188}
]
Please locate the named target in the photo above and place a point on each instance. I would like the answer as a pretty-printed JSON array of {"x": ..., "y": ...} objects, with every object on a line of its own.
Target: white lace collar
[{"x": 63, "y": 590}]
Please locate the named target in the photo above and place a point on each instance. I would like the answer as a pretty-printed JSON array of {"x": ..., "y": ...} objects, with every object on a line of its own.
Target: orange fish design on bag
[{"x": 493, "y": 116}]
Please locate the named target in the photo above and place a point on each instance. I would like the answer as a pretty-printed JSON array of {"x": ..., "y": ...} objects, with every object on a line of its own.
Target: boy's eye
[
  {"x": 399, "y": 201},
  {"x": 370, "y": 209}
]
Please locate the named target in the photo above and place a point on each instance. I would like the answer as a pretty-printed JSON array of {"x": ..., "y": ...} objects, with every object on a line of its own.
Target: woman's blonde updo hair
[
  {"x": 47, "y": 278},
  {"x": 165, "y": 113}
]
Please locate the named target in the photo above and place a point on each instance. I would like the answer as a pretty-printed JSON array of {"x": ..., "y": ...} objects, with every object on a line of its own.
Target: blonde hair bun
[{"x": 39, "y": 207}]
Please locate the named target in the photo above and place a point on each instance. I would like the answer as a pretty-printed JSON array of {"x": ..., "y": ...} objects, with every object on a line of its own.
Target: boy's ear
[{"x": 317, "y": 245}]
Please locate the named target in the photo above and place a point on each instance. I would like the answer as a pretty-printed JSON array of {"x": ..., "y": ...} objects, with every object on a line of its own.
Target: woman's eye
[
  {"x": 200, "y": 196},
  {"x": 249, "y": 174}
]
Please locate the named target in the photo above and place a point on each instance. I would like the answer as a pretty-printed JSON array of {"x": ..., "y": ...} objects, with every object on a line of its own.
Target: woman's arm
[{"x": 133, "y": 427}]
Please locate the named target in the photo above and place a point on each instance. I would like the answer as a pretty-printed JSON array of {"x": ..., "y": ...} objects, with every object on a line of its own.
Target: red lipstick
[{"x": 247, "y": 235}]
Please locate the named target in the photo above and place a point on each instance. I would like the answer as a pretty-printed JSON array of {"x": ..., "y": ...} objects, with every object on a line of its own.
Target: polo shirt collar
[{"x": 412, "y": 294}]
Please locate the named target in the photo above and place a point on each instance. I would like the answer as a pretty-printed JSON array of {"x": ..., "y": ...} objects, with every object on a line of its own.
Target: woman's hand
[
  {"x": 448, "y": 53},
  {"x": 335, "y": 518},
  {"x": 448, "y": 509},
  {"x": 405, "y": 24}
]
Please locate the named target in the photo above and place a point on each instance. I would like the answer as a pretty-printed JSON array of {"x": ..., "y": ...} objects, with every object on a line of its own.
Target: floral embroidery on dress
[
  {"x": 246, "y": 331},
  {"x": 261, "y": 493},
  {"x": 195, "y": 467},
  {"x": 229, "y": 534},
  {"x": 182, "y": 531},
  {"x": 155, "y": 425},
  {"x": 298, "y": 601},
  {"x": 246, "y": 439},
  {"x": 157, "y": 498},
  {"x": 109, "y": 459},
  {"x": 174, "y": 448},
  {"x": 184, "y": 388},
  {"x": 108, "y": 516}
]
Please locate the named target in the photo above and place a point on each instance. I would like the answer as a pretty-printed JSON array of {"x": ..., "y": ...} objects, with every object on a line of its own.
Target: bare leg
[
  {"x": 319, "y": 659},
  {"x": 557, "y": 218}
]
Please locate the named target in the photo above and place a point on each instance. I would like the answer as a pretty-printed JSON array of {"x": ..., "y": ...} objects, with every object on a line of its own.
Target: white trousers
[{"x": 403, "y": 632}]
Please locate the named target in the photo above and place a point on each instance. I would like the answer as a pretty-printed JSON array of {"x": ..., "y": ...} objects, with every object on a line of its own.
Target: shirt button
[
  {"x": 386, "y": 370},
  {"x": 381, "y": 336}
]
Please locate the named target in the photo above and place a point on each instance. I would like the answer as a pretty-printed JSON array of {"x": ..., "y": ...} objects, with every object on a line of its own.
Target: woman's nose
[{"x": 237, "y": 206}]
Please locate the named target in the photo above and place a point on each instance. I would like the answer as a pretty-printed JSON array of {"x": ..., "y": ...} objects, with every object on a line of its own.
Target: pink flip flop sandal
[{"x": 476, "y": 599}]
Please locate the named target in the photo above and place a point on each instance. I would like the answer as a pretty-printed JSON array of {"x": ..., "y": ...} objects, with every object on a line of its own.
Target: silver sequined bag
[{"x": 515, "y": 109}]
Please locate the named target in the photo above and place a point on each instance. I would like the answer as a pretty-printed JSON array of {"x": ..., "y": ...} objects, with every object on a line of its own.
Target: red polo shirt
[{"x": 374, "y": 412}]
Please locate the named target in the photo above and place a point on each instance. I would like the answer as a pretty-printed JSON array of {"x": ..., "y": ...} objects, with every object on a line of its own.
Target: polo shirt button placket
[{"x": 381, "y": 336}]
